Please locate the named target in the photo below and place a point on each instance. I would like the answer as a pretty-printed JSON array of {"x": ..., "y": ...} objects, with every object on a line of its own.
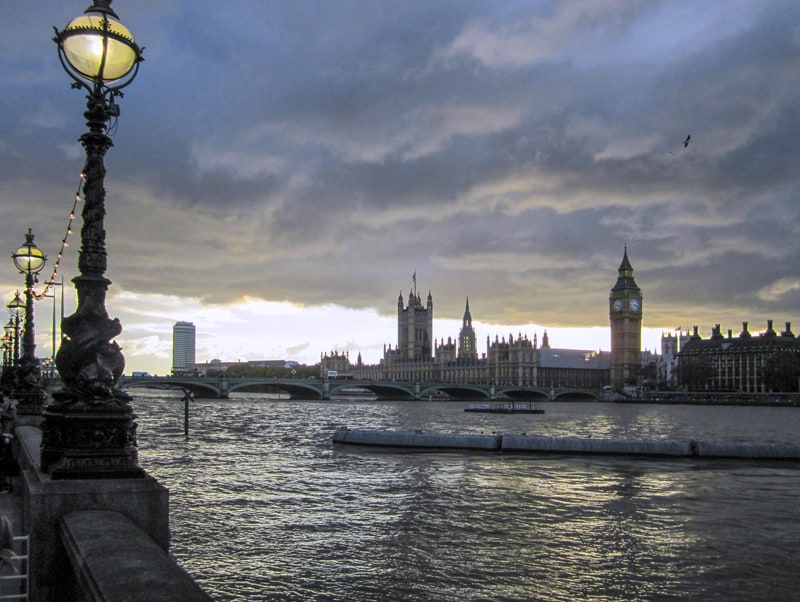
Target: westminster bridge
[{"x": 323, "y": 388}]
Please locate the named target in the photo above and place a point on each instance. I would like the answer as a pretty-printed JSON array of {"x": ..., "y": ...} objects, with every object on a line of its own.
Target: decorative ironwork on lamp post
[
  {"x": 28, "y": 389},
  {"x": 88, "y": 430}
]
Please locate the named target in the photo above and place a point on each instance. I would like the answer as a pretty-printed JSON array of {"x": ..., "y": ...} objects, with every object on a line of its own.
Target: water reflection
[{"x": 263, "y": 507}]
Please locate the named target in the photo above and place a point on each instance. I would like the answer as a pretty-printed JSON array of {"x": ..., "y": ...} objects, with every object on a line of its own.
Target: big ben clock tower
[{"x": 625, "y": 311}]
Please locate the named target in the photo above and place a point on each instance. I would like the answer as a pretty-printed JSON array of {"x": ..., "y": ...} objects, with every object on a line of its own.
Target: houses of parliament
[
  {"x": 768, "y": 361},
  {"x": 515, "y": 360}
]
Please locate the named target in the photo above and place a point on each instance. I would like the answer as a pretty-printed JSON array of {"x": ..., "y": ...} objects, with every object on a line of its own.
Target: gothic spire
[
  {"x": 467, "y": 315},
  {"x": 626, "y": 266},
  {"x": 625, "y": 279}
]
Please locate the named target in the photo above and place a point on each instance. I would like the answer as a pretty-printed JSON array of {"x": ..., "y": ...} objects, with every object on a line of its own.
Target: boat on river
[{"x": 505, "y": 407}]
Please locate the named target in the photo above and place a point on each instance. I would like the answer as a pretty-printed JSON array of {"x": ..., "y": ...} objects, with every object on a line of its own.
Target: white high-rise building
[{"x": 183, "y": 334}]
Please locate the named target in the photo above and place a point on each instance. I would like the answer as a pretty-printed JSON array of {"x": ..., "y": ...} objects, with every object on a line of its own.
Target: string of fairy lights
[{"x": 51, "y": 282}]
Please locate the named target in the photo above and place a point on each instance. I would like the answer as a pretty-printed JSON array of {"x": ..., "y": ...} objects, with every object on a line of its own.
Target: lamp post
[
  {"x": 88, "y": 430},
  {"x": 16, "y": 307},
  {"x": 8, "y": 341},
  {"x": 9, "y": 380},
  {"x": 54, "y": 284},
  {"x": 29, "y": 392},
  {"x": 6, "y": 346}
]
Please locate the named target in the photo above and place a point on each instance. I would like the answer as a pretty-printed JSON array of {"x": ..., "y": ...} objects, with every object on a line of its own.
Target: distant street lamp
[
  {"x": 9, "y": 378},
  {"x": 89, "y": 430},
  {"x": 7, "y": 343},
  {"x": 16, "y": 307},
  {"x": 29, "y": 392}
]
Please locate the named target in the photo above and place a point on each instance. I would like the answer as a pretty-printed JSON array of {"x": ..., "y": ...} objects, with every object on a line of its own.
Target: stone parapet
[
  {"x": 142, "y": 501},
  {"x": 113, "y": 560}
]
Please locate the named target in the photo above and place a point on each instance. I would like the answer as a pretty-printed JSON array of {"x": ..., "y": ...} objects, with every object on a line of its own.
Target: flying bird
[{"x": 686, "y": 142}]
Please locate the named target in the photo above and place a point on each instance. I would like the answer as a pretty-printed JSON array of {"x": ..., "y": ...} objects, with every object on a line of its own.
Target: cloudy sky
[{"x": 281, "y": 169}]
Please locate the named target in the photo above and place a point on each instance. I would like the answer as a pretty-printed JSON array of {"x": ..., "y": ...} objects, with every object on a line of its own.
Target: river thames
[{"x": 263, "y": 506}]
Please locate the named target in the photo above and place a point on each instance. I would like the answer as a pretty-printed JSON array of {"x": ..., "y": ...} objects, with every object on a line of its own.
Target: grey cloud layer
[{"x": 321, "y": 152}]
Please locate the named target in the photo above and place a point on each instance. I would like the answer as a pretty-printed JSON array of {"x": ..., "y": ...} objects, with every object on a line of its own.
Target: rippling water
[{"x": 264, "y": 507}]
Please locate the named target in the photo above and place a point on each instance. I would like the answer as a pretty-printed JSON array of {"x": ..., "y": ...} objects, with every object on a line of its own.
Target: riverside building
[
  {"x": 183, "y": 348},
  {"x": 513, "y": 360},
  {"x": 625, "y": 314},
  {"x": 766, "y": 362}
]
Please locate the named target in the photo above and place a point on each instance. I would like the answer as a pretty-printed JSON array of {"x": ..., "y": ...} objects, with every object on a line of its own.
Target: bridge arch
[
  {"x": 294, "y": 389},
  {"x": 383, "y": 390},
  {"x": 199, "y": 389},
  {"x": 577, "y": 395},
  {"x": 459, "y": 391},
  {"x": 525, "y": 393}
]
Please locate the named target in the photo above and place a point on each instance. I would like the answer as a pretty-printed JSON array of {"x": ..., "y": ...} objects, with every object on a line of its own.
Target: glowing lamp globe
[
  {"x": 16, "y": 306},
  {"x": 98, "y": 48},
  {"x": 29, "y": 258}
]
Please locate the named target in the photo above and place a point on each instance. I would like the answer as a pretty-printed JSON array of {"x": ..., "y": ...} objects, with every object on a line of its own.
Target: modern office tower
[
  {"x": 183, "y": 335},
  {"x": 625, "y": 312}
]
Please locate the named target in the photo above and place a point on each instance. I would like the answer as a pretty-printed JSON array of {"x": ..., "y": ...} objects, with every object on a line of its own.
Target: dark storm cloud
[{"x": 320, "y": 152}]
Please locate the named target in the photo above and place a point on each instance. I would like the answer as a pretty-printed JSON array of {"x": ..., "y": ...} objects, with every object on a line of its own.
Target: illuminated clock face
[
  {"x": 634, "y": 305},
  {"x": 618, "y": 305}
]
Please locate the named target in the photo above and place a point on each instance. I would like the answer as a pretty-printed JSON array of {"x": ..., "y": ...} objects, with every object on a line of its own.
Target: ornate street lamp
[
  {"x": 89, "y": 430},
  {"x": 16, "y": 307},
  {"x": 9, "y": 380},
  {"x": 29, "y": 392},
  {"x": 7, "y": 345}
]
